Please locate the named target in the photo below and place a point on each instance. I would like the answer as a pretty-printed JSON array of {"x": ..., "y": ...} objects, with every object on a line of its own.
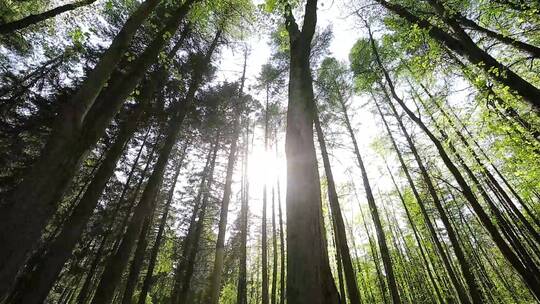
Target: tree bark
[{"x": 309, "y": 278}]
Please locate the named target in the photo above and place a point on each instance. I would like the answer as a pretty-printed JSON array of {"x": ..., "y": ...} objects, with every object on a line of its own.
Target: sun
[{"x": 264, "y": 168}]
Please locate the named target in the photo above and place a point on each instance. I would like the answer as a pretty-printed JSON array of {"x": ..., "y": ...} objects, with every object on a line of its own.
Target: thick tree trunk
[
  {"x": 37, "y": 196},
  {"x": 309, "y": 278},
  {"x": 25, "y": 22},
  {"x": 341, "y": 235}
]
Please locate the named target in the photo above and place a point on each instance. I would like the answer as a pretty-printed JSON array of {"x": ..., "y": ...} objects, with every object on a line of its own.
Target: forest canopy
[{"x": 277, "y": 151}]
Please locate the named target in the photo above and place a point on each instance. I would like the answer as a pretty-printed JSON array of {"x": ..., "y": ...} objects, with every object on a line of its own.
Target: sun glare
[{"x": 264, "y": 167}]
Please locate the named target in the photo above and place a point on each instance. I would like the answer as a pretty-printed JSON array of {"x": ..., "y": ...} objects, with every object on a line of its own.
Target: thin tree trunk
[
  {"x": 25, "y": 22},
  {"x": 274, "y": 248},
  {"x": 138, "y": 259},
  {"x": 491, "y": 179},
  {"x": 341, "y": 235},
  {"x": 466, "y": 47},
  {"x": 264, "y": 238},
  {"x": 117, "y": 263},
  {"x": 374, "y": 254},
  {"x": 241, "y": 293},
  {"x": 36, "y": 284},
  {"x": 163, "y": 222},
  {"x": 282, "y": 246},
  {"x": 528, "y": 276},
  {"x": 215, "y": 278},
  {"x": 385, "y": 253},
  {"x": 464, "y": 264},
  {"x": 417, "y": 239},
  {"x": 523, "y": 46},
  {"x": 445, "y": 259},
  {"x": 190, "y": 252},
  {"x": 188, "y": 240}
]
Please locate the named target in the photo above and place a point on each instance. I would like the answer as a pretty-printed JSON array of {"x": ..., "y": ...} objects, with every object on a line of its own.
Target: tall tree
[
  {"x": 215, "y": 278},
  {"x": 341, "y": 236},
  {"x": 79, "y": 126},
  {"x": 309, "y": 279}
]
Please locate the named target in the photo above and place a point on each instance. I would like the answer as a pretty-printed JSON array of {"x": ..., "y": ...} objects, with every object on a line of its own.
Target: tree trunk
[
  {"x": 341, "y": 235},
  {"x": 37, "y": 196},
  {"x": 264, "y": 238},
  {"x": 281, "y": 247},
  {"x": 385, "y": 253},
  {"x": 417, "y": 239},
  {"x": 462, "y": 295},
  {"x": 241, "y": 293},
  {"x": 215, "y": 278},
  {"x": 529, "y": 277},
  {"x": 274, "y": 249},
  {"x": 163, "y": 222},
  {"x": 309, "y": 278},
  {"x": 466, "y": 47},
  {"x": 190, "y": 252},
  {"x": 25, "y": 22},
  {"x": 138, "y": 259},
  {"x": 188, "y": 239},
  {"x": 464, "y": 264},
  {"x": 116, "y": 265},
  {"x": 523, "y": 46},
  {"x": 37, "y": 283}
]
